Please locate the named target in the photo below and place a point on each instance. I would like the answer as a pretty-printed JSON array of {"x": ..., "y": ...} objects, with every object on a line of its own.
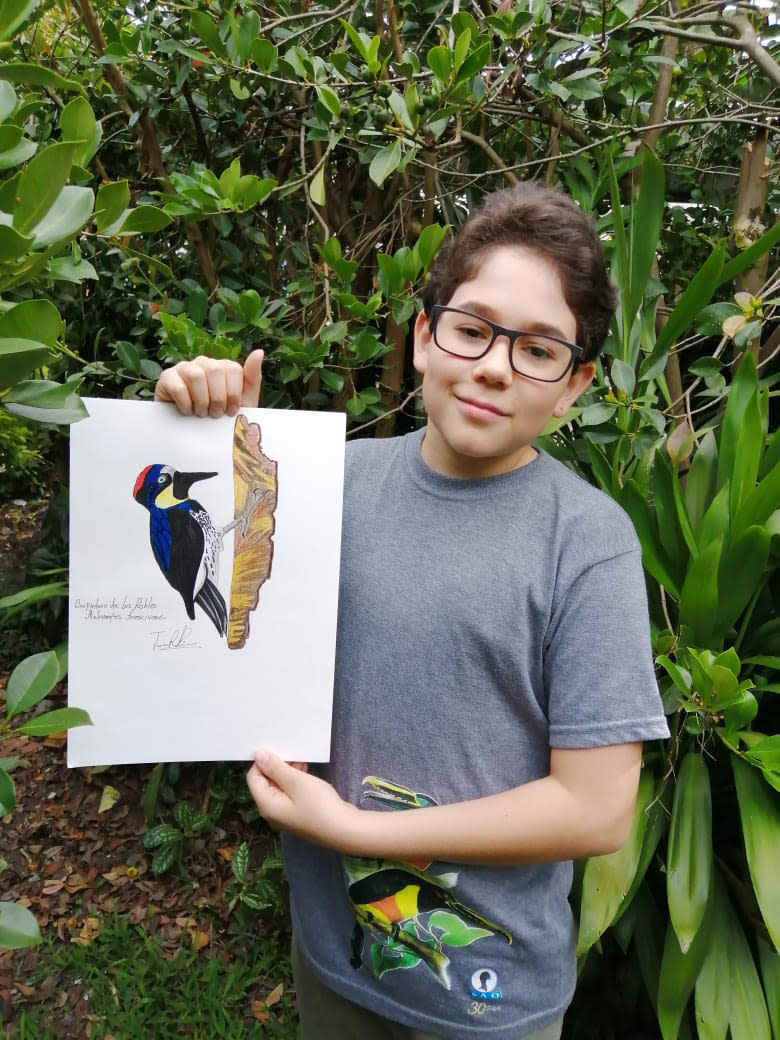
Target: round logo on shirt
[{"x": 484, "y": 984}]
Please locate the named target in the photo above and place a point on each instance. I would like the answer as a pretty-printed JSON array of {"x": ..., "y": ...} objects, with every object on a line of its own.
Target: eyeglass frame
[{"x": 511, "y": 334}]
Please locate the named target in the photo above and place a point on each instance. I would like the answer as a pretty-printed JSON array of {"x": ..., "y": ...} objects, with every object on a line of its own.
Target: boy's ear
[
  {"x": 578, "y": 382},
  {"x": 422, "y": 341}
]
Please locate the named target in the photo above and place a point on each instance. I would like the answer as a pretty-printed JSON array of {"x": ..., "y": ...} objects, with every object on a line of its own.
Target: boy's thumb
[
  {"x": 275, "y": 768},
  {"x": 253, "y": 379}
]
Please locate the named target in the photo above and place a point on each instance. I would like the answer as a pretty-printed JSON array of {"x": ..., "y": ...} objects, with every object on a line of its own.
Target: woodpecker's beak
[{"x": 183, "y": 481}]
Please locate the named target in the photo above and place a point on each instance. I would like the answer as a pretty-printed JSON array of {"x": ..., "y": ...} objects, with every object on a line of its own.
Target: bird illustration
[
  {"x": 393, "y": 899},
  {"x": 185, "y": 542}
]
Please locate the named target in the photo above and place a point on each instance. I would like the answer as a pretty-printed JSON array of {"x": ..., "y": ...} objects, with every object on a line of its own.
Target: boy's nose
[{"x": 495, "y": 366}]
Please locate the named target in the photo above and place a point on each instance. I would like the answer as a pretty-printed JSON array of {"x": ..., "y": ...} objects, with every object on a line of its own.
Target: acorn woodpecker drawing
[{"x": 185, "y": 542}]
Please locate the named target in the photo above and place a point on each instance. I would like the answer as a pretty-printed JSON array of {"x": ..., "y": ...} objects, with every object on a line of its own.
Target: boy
[{"x": 493, "y": 672}]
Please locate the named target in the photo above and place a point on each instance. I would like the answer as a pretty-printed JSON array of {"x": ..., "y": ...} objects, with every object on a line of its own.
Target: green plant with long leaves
[{"x": 693, "y": 897}]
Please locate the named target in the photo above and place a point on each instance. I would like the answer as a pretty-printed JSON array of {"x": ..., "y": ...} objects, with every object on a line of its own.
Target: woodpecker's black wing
[{"x": 186, "y": 556}]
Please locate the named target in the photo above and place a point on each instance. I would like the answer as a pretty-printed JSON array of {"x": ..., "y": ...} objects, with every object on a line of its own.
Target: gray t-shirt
[{"x": 481, "y": 622}]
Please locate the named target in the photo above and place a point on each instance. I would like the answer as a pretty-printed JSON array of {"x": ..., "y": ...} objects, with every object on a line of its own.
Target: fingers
[
  {"x": 253, "y": 379},
  {"x": 302, "y": 767},
  {"x": 207, "y": 386}
]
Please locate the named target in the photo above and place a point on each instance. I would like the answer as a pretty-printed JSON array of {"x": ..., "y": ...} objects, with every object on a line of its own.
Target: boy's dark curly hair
[{"x": 550, "y": 223}]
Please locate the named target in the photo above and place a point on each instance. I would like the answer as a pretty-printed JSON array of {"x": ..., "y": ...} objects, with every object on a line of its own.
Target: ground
[{"x": 75, "y": 856}]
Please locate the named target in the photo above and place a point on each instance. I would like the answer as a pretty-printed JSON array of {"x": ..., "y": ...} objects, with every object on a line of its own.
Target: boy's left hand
[{"x": 290, "y": 799}]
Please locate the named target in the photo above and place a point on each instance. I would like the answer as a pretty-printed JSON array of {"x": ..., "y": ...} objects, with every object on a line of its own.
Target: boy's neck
[{"x": 440, "y": 457}]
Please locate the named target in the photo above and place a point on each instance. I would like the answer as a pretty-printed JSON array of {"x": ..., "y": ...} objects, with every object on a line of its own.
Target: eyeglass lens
[{"x": 532, "y": 354}]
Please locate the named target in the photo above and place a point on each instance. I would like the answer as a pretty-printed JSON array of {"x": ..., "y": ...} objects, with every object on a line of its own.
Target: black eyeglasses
[{"x": 531, "y": 354}]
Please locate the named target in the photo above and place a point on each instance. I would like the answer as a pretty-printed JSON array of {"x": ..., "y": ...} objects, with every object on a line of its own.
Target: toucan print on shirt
[{"x": 407, "y": 914}]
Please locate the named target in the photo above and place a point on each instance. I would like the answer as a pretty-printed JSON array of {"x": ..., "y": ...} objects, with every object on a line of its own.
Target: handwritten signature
[{"x": 177, "y": 640}]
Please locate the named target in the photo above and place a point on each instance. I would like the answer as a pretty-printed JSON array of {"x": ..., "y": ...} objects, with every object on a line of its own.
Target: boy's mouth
[{"x": 480, "y": 405}]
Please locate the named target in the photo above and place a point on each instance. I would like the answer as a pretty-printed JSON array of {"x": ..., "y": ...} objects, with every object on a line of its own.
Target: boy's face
[{"x": 482, "y": 415}]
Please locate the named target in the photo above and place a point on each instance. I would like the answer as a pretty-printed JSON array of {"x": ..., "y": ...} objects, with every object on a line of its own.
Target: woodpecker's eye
[{"x": 161, "y": 479}]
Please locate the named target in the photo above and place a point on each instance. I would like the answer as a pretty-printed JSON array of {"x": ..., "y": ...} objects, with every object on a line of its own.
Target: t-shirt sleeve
[{"x": 598, "y": 662}]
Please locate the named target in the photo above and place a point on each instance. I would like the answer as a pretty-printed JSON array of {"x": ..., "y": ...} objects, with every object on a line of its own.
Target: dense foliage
[{"x": 210, "y": 177}]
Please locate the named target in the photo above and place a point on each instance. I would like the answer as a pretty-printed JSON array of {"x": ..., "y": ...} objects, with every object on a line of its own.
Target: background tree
[{"x": 284, "y": 177}]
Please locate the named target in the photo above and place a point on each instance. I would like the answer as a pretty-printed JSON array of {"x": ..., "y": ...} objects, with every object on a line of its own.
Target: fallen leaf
[
  {"x": 260, "y": 1012},
  {"x": 51, "y": 888},
  {"x": 108, "y": 799},
  {"x": 274, "y": 996}
]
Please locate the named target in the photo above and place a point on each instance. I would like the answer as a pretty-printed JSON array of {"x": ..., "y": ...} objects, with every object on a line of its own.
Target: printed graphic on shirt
[
  {"x": 408, "y": 914},
  {"x": 484, "y": 985}
]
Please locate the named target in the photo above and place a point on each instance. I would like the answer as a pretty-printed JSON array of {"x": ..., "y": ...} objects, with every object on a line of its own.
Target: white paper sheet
[{"x": 159, "y": 686}]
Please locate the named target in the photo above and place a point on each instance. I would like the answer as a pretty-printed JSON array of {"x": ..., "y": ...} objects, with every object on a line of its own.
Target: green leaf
[
  {"x": 749, "y": 438},
  {"x": 455, "y": 931},
  {"x": 7, "y": 793},
  {"x": 32, "y": 318},
  {"x": 18, "y": 155},
  {"x": 700, "y": 482},
  {"x": 770, "y": 972},
  {"x": 713, "y": 985},
  {"x": 264, "y": 54},
  {"x": 14, "y": 13},
  {"x": 12, "y": 244},
  {"x": 18, "y": 927},
  {"x": 68, "y": 214},
  {"x": 654, "y": 555},
  {"x": 440, "y": 63},
  {"x": 689, "y": 856},
  {"x": 473, "y": 64},
  {"x": 40, "y": 185},
  {"x": 759, "y": 810},
  {"x": 207, "y": 32},
  {"x": 164, "y": 858},
  {"x": 35, "y": 594},
  {"x": 329, "y": 98},
  {"x": 748, "y": 1019},
  {"x": 240, "y": 863},
  {"x": 385, "y": 162},
  {"x": 741, "y": 573},
  {"x": 400, "y": 111},
  {"x": 429, "y": 243},
  {"x": 759, "y": 504},
  {"x": 607, "y": 879},
  {"x": 679, "y": 972},
  {"x": 19, "y": 357},
  {"x": 359, "y": 40},
  {"x": 695, "y": 297},
  {"x": 55, "y": 722},
  {"x": 162, "y": 834},
  {"x": 663, "y": 483},
  {"x": 317, "y": 186},
  {"x": 31, "y": 680},
  {"x": 112, "y": 200},
  {"x": 66, "y": 269},
  {"x": 598, "y": 413},
  {"x": 44, "y": 401},
  {"x": 333, "y": 380},
  {"x": 623, "y": 376},
  {"x": 144, "y": 219},
  {"x": 646, "y": 218},
  {"x": 151, "y": 793},
  {"x": 37, "y": 76},
  {"x": 699, "y": 596},
  {"x": 79, "y": 127}
]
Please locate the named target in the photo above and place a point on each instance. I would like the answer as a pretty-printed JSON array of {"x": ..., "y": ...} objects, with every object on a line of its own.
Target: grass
[{"x": 128, "y": 988}]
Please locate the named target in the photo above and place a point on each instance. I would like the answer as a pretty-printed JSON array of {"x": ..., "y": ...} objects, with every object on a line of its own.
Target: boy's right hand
[{"x": 206, "y": 386}]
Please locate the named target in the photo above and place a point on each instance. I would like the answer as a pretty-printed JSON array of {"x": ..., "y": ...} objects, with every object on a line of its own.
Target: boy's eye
[
  {"x": 538, "y": 351},
  {"x": 474, "y": 332}
]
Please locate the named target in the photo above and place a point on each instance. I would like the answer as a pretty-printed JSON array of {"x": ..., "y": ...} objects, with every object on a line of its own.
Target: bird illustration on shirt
[{"x": 185, "y": 542}]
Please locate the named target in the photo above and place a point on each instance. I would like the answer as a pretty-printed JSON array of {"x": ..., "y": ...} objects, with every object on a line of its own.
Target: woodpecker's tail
[{"x": 210, "y": 600}]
